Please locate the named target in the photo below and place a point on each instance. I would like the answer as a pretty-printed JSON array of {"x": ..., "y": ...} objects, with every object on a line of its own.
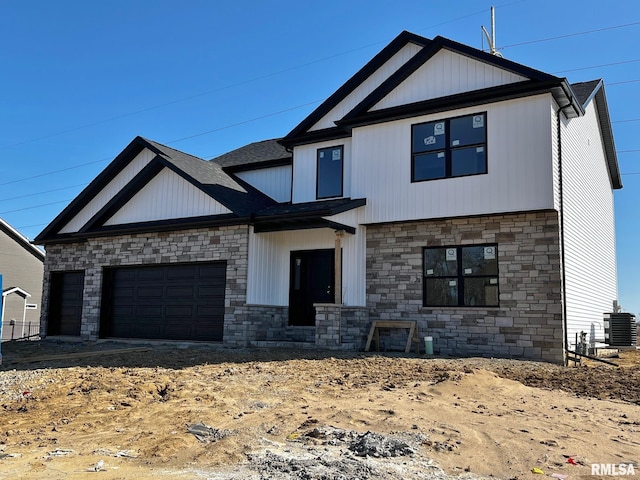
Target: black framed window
[
  {"x": 329, "y": 172},
  {"x": 448, "y": 148},
  {"x": 461, "y": 276}
]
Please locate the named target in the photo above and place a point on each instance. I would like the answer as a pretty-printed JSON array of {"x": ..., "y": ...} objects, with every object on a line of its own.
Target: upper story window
[
  {"x": 449, "y": 148},
  {"x": 329, "y": 172},
  {"x": 461, "y": 276}
]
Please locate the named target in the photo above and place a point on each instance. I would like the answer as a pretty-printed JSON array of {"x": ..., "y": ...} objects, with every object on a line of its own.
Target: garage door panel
[
  {"x": 150, "y": 274},
  {"x": 213, "y": 272},
  {"x": 210, "y": 311},
  {"x": 182, "y": 291},
  {"x": 150, "y": 292},
  {"x": 174, "y": 302},
  {"x": 182, "y": 311},
  {"x": 206, "y": 331},
  {"x": 211, "y": 290},
  {"x": 149, "y": 311},
  {"x": 123, "y": 292},
  {"x": 182, "y": 273},
  {"x": 124, "y": 274},
  {"x": 176, "y": 332},
  {"x": 68, "y": 311},
  {"x": 154, "y": 331},
  {"x": 123, "y": 330}
]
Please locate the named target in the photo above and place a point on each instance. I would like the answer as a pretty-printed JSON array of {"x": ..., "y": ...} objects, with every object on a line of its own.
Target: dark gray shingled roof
[
  {"x": 266, "y": 151},
  {"x": 584, "y": 90},
  {"x": 238, "y": 196},
  {"x": 206, "y": 173}
]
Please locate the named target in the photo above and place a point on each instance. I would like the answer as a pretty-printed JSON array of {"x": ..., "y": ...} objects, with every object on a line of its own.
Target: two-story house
[
  {"x": 440, "y": 184},
  {"x": 21, "y": 267}
]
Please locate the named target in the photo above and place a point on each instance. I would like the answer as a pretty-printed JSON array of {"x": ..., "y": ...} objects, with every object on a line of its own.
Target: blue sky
[{"x": 80, "y": 79}]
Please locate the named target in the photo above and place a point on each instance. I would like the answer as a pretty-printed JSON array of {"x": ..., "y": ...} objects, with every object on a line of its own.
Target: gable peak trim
[{"x": 352, "y": 83}]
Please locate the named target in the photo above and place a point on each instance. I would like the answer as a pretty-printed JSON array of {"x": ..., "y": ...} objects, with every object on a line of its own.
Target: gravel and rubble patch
[
  {"x": 17, "y": 384},
  {"x": 329, "y": 453},
  {"x": 368, "y": 444}
]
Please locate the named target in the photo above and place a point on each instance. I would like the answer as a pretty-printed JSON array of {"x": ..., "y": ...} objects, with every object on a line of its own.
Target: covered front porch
[{"x": 305, "y": 278}]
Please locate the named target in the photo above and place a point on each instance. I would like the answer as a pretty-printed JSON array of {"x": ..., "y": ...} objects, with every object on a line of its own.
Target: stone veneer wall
[
  {"x": 268, "y": 326},
  {"x": 341, "y": 327},
  {"x": 528, "y": 322},
  {"x": 197, "y": 245}
]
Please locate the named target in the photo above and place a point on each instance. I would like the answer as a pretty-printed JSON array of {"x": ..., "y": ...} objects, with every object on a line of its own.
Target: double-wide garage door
[{"x": 172, "y": 302}]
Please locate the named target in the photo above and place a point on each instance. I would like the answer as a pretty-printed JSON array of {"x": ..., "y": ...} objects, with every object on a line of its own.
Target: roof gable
[
  {"x": 415, "y": 84},
  {"x": 386, "y": 54},
  {"x": 166, "y": 195},
  {"x": 446, "y": 73},
  {"x": 367, "y": 86},
  {"x": 133, "y": 171}
]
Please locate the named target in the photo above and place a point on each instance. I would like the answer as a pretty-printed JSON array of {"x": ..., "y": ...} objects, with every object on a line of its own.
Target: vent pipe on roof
[{"x": 492, "y": 39}]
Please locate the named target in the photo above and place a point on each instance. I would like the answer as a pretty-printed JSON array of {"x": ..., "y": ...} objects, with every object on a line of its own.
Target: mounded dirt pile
[{"x": 204, "y": 412}]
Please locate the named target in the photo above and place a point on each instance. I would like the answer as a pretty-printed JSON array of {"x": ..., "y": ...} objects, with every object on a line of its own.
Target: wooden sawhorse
[{"x": 376, "y": 325}]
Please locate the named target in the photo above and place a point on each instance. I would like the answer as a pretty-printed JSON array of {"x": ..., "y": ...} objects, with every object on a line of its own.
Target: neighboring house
[
  {"x": 22, "y": 268},
  {"x": 439, "y": 184}
]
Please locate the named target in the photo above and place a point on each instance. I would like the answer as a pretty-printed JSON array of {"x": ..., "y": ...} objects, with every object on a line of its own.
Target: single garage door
[
  {"x": 65, "y": 303},
  {"x": 169, "y": 302}
]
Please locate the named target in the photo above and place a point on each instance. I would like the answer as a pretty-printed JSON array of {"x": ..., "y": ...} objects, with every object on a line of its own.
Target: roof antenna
[{"x": 492, "y": 39}]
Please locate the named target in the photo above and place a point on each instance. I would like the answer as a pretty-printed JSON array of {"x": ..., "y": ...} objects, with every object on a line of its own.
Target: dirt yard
[{"x": 203, "y": 412}]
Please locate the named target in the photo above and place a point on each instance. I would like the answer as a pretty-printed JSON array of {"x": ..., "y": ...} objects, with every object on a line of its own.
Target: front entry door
[{"x": 312, "y": 280}]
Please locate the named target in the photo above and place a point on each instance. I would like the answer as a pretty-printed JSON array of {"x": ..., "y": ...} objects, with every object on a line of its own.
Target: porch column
[{"x": 338, "y": 268}]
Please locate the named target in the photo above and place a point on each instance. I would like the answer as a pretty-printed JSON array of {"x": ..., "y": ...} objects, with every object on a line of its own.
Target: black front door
[
  {"x": 311, "y": 281},
  {"x": 65, "y": 303}
]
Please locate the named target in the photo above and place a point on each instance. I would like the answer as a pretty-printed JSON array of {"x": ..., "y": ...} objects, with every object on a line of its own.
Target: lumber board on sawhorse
[{"x": 411, "y": 325}]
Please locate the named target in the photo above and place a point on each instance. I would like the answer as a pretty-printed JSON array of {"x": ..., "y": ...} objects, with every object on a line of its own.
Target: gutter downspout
[{"x": 562, "y": 250}]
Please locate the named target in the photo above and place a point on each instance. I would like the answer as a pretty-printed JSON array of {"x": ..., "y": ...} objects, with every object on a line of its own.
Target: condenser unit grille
[{"x": 620, "y": 329}]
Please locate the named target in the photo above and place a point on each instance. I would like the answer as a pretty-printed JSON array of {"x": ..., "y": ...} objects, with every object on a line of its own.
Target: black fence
[{"x": 13, "y": 330}]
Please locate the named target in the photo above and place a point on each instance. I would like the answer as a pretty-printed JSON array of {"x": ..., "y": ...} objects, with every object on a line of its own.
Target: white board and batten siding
[
  {"x": 167, "y": 196},
  {"x": 107, "y": 193},
  {"x": 274, "y": 181},
  {"x": 269, "y": 263},
  {"x": 519, "y": 167},
  {"x": 368, "y": 86},
  {"x": 447, "y": 73},
  {"x": 590, "y": 250},
  {"x": 305, "y": 166}
]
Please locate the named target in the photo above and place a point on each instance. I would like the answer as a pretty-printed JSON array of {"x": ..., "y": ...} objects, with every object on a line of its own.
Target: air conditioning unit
[{"x": 620, "y": 329}]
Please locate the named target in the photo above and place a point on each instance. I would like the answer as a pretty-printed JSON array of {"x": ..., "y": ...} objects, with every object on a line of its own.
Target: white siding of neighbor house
[
  {"x": 274, "y": 181},
  {"x": 366, "y": 87},
  {"x": 305, "y": 159},
  {"x": 108, "y": 192},
  {"x": 269, "y": 258},
  {"x": 590, "y": 246},
  {"x": 447, "y": 73},
  {"x": 166, "y": 196},
  {"x": 519, "y": 162}
]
